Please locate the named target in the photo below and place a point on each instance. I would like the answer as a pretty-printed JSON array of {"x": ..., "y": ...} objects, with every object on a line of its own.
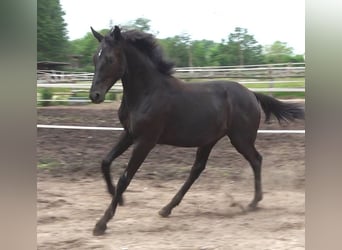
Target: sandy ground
[{"x": 71, "y": 194}]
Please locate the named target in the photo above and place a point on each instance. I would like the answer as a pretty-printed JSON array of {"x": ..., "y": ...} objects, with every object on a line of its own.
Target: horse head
[{"x": 109, "y": 62}]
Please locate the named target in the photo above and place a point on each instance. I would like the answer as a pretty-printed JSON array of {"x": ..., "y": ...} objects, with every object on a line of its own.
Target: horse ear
[
  {"x": 97, "y": 35},
  {"x": 116, "y": 33}
]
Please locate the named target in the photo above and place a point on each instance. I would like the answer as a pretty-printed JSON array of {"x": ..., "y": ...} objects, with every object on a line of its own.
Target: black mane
[{"x": 147, "y": 44}]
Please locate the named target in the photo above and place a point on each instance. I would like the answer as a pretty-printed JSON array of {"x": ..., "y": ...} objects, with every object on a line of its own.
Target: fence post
[{"x": 270, "y": 74}]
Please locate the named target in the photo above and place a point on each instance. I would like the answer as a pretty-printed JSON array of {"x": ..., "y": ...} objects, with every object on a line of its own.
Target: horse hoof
[
  {"x": 164, "y": 212},
  {"x": 252, "y": 207},
  {"x": 99, "y": 229}
]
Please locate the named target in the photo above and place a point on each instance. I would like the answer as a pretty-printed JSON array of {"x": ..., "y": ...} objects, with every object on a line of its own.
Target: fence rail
[
  {"x": 260, "y": 131},
  {"x": 81, "y": 81},
  {"x": 248, "y": 74},
  {"x": 264, "y": 71},
  {"x": 117, "y": 88}
]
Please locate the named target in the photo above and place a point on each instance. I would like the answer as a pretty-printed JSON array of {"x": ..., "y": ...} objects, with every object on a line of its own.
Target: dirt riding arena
[{"x": 71, "y": 194}]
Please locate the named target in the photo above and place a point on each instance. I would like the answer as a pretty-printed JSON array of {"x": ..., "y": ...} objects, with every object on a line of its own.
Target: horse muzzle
[{"x": 96, "y": 97}]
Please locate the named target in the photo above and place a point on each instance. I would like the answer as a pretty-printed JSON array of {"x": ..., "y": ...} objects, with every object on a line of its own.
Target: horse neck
[{"x": 140, "y": 77}]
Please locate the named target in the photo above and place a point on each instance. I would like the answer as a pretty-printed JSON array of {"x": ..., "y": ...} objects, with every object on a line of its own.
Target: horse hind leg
[
  {"x": 197, "y": 168},
  {"x": 245, "y": 146}
]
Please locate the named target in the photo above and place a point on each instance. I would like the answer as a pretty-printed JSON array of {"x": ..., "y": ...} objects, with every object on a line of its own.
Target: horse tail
[{"x": 281, "y": 110}]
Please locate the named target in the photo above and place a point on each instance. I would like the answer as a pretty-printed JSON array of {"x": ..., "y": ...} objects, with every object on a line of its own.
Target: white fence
[
  {"x": 264, "y": 71},
  {"x": 80, "y": 82},
  {"x": 55, "y": 76}
]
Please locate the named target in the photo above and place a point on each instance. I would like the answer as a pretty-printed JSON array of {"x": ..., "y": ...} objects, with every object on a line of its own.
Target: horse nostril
[{"x": 95, "y": 96}]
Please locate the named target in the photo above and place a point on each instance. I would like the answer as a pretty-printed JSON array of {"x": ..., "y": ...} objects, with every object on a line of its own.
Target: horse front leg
[
  {"x": 140, "y": 151},
  {"x": 125, "y": 141}
]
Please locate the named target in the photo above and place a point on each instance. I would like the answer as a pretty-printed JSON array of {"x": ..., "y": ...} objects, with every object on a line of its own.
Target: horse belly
[
  {"x": 193, "y": 133},
  {"x": 196, "y": 118}
]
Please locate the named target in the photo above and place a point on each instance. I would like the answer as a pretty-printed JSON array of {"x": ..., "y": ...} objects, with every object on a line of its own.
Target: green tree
[
  {"x": 202, "y": 52},
  {"x": 243, "y": 49},
  {"x": 297, "y": 59},
  {"x": 86, "y": 47},
  {"x": 240, "y": 49},
  {"x": 280, "y": 52},
  {"x": 178, "y": 49},
  {"x": 52, "y": 41},
  {"x": 142, "y": 24},
  {"x": 219, "y": 54}
]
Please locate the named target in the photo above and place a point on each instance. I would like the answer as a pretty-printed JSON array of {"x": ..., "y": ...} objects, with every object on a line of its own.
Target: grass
[
  {"x": 300, "y": 83},
  {"x": 286, "y": 83},
  {"x": 292, "y": 83},
  {"x": 48, "y": 164},
  {"x": 289, "y": 95}
]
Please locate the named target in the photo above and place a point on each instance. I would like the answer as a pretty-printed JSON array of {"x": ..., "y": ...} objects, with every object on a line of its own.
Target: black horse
[{"x": 157, "y": 108}]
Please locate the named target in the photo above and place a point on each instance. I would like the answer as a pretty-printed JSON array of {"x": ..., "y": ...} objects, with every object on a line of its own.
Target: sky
[{"x": 267, "y": 20}]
